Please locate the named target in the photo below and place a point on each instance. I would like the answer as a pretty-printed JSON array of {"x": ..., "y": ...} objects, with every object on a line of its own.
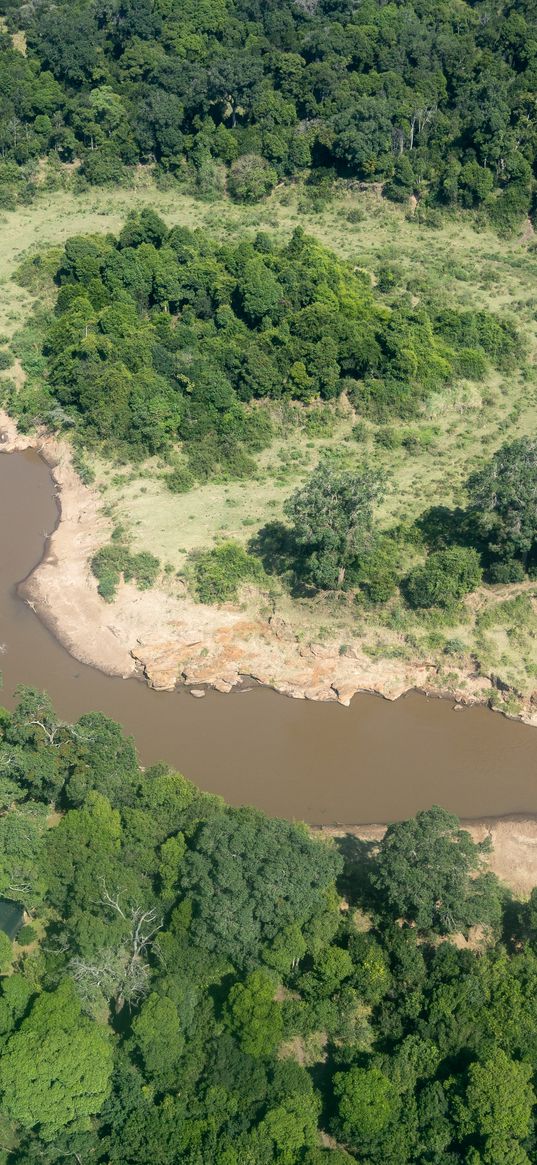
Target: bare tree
[
  {"x": 120, "y": 973},
  {"x": 420, "y": 118}
]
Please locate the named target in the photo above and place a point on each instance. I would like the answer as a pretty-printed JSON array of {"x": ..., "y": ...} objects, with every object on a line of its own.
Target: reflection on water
[{"x": 372, "y": 762}]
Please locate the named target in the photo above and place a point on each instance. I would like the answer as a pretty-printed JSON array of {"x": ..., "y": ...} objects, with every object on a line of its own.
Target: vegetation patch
[
  {"x": 219, "y": 573},
  {"x": 115, "y": 561},
  {"x": 206, "y": 983},
  {"x": 424, "y": 465}
]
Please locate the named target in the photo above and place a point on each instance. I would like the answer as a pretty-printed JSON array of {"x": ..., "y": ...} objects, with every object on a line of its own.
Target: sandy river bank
[{"x": 169, "y": 640}]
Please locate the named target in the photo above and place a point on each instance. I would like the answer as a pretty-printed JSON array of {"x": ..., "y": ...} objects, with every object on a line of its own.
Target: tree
[
  {"x": 401, "y": 185},
  {"x": 236, "y": 909},
  {"x": 6, "y": 953},
  {"x": 425, "y": 872},
  {"x": 253, "y": 1014},
  {"x": 444, "y": 578},
  {"x": 55, "y": 1069},
  {"x": 291, "y": 1126},
  {"x": 498, "y": 1107},
  {"x": 250, "y": 178},
  {"x": 105, "y": 760},
  {"x": 159, "y": 1038},
  {"x": 259, "y": 292},
  {"x": 332, "y": 516},
  {"x": 368, "y": 1103},
  {"x": 503, "y": 502}
]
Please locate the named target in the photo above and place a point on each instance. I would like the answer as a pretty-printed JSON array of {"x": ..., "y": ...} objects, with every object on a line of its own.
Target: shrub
[
  {"x": 444, "y": 578},
  {"x": 85, "y": 472},
  {"x": 180, "y": 480},
  {"x": 218, "y": 573},
  {"x": 360, "y": 431},
  {"x": 6, "y": 360},
  {"x": 250, "y": 178},
  {"x": 471, "y": 363},
  {"x": 114, "y": 560},
  {"x": 454, "y": 647},
  {"x": 378, "y": 572},
  {"x": 387, "y": 278},
  {"x": 507, "y": 572},
  {"x": 387, "y": 438},
  {"x": 27, "y": 935},
  {"x": 6, "y": 952}
]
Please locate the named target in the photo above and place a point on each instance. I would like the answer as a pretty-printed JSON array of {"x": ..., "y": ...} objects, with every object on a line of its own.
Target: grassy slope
[{"x": 465, "y": 266}]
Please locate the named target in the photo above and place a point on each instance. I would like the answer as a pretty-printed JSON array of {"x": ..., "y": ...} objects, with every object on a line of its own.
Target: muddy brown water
[{"x": 373, "y": 762}]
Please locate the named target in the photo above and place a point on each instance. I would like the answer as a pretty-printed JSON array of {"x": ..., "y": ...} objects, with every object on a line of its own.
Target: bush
[
  {"x": 388, "y": 438},
  {"x": 6, "y": 360},
  {"x": 471, "y": 363},
  {"x": 387, "y": 278},
  {"x": 85, "y": 472},
  {"x": 6, "y": 952},
  {"x": 250, "y": 178},
  {"x": 378, "y": 572},
  {"x": 444, "y": 578},
  {"x": 26, "y": 936},
  {"x": 180, "y": 480},
  {"x": 454, "y": 647},
  {"x": 218, "y": 573},
  {"x": 114, "y": 560},
  {"x": 507, "y": 572}
]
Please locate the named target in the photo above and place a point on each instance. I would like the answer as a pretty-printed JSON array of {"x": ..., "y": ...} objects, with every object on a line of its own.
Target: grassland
[{"x": 459, "y": 262}]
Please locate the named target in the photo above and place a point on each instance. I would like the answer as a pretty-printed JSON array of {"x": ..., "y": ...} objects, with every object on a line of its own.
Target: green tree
[
  {"x": 253, "y": 1014},
  {"x": 250, "y": 178},
  {"x": 332, "y": 516},
  {"x": 444, "y": 578},
  {"x": 226, "y": 865},
  {"x": 158, "y": 1036},
  {"x": 425, "y": 872},
  {"x": 55, "y": 1069},
  {"x": 498, "y": 1107},
  {"x": 503, "y": 502},
  {"x": 367, "y": 1104}
]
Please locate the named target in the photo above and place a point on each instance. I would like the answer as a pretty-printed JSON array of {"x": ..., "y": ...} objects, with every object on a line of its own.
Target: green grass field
[{"x": 457, "y": 263}]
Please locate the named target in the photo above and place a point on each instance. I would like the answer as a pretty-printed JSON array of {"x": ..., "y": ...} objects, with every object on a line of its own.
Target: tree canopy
[
  {"x": 194, "y": 987},
  {"x": 433, "y": 101},
  {"x": 164, "y": 338}
]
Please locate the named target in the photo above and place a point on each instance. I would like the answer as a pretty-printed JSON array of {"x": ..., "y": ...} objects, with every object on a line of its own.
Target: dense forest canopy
[
  {"x": 164, "y": 335},
  {"x": 201, "y": 984},
  {"x": 433, "y": 99}
]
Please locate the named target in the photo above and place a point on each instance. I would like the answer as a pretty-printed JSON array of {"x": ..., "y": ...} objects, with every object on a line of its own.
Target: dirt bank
[
  {"x": 169, "y": 639},
  {"x": 513, "y": 857}
]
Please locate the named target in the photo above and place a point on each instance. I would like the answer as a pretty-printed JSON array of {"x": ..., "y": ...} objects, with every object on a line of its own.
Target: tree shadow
[
  {"x": 355, "y": 881},
  {"x": 280, "y": 554},
  {"x": 442, "y": 527}
]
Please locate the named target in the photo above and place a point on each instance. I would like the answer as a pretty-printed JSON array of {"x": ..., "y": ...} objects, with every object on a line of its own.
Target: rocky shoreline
[{"x": 169, "y": 640}]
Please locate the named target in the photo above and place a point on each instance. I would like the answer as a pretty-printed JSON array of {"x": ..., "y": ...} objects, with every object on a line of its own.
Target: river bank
[
  {"x": 169, "y": 640},
  {"x": 513, "y": 857}
]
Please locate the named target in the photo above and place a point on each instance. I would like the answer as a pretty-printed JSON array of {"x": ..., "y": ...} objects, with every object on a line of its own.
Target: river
[{"x": 372, "y": 762}]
